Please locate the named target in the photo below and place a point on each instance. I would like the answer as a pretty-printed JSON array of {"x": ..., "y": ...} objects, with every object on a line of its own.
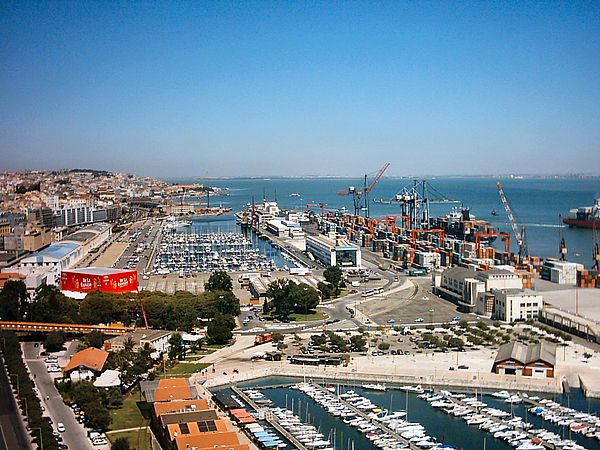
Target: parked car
[{"x": 60, "y": 427}]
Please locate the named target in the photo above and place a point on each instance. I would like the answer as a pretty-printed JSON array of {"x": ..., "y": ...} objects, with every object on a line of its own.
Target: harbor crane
[
  {"x": 562, "y": 246},
  {"x": 363, "y": 194},
  {"x": 519, "y": 234}
]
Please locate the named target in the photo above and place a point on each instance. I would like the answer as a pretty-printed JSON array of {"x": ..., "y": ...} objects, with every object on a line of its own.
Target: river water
[{"x": 536, "y": 203}]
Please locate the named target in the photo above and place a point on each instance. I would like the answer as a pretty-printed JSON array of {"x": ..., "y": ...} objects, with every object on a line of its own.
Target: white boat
[{"x": 375, "y": 387}]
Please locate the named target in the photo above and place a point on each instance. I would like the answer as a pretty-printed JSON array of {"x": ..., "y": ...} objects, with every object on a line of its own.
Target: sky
[{"x": 256, "y": 88}]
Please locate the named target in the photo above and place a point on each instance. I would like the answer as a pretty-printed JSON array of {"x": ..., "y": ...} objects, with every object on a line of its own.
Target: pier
[
  {"x": 372, "y": 421},
  {"x": 269, "y": 418},
  {"x": 498, "y": 420}
]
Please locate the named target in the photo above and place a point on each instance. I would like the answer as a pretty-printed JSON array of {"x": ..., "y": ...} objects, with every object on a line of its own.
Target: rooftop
[
  {"x": 57, "y": 251},
  {"x": 99, "y": 271},
  {"x": 526, "y": 354},
  {"x": 91, "y": 358}
]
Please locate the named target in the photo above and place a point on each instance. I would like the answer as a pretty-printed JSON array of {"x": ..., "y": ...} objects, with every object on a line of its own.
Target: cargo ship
[{"x": 584, "y": 216}]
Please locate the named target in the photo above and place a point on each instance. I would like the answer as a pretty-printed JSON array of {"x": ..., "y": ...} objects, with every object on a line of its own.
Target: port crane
[
  {"x": 562, "y": 246},
  {"x": 363, "y": 194},
  {"x": 414, "y": 200},
  {"x": 519, "y": 234}
]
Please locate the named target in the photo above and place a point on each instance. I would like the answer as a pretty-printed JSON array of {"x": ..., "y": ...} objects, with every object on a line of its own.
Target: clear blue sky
[{"x": 291, "y": 88}]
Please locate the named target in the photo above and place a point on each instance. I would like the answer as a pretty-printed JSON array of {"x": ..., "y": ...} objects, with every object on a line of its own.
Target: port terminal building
[
  {"x": 333, "y": 251},
  {"x": 496, "y": 293}
]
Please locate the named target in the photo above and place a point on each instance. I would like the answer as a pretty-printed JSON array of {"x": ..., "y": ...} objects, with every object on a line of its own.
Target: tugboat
[{"x": 584, "y": 216}]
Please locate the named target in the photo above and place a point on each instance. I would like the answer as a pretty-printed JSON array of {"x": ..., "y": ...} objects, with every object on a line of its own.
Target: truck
[{"x": 263, "y": 338}]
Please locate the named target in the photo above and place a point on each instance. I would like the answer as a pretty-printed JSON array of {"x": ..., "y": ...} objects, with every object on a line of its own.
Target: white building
[
  {"x": 334, "y": 252},
  {"x": 62, "y": 255},
  {"x": 157, "y": 340},
  {"x": 90, "y": 237},
  {"x": 513, "y": 305},
  {"x": 468, "y": 288}
]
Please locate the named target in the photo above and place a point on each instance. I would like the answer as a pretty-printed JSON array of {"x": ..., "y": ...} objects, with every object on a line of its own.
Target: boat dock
[
  {"x": 269, "y": 418},
  {"x": 488, "y": 416},
  {"x": 372, "y": 421}
]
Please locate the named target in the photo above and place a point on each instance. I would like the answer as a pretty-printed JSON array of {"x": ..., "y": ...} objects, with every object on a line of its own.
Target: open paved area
[{"x": 415, "y": 304}]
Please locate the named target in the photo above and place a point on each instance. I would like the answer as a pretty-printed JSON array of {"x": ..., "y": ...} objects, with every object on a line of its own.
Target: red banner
[{"x": 122, "y": 281}]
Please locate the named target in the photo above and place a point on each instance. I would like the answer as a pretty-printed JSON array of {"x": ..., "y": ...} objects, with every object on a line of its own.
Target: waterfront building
[
  {"x": 90, "y": 237},
  {"x": 334, "y": 252},
  {"x": 465, "y": 286},
  {"x": 182, "y": 420},
  {"x": 513, "y": 305},
  {"x": 534, "y": 360}
]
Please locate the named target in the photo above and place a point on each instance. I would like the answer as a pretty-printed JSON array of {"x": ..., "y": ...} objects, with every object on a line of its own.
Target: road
[
  {"x": 12, "y": 430},
  {"x": 75, "y": 436}
]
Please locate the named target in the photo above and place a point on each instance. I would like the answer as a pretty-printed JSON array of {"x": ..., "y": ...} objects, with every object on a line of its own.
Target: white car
[
  {"x": 419, "y": 319},
  {"x": 61, "y": 427}
]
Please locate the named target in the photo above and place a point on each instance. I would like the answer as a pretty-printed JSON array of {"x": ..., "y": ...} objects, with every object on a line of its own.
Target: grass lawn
[
  {"x": 138, "y": 440},
  {"x": 315, "y": 315},
  {"x": 128, "y": 415},
  {"x": 182, "y": 368}
]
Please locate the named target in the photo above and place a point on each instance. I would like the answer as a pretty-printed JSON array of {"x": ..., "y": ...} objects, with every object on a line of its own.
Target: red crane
[{"x": 358, "y": 193}]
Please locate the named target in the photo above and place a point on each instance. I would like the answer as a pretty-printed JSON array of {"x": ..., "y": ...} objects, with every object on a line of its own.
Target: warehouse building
[
  {"x": 515, "y": 358},
  {"x": 334, "y": 252}
]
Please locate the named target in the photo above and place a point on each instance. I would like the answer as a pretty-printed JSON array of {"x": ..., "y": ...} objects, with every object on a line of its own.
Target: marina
[{"x": 467, "y": 424}]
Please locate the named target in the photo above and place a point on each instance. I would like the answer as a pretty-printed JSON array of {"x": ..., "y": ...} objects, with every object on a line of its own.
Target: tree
[
  {"x": 325, "y": 289},
  {"x": 282, "y": 294},
  {"x": 55, "y": 341},
  {"x": 219, "y": 281},
  {"x": 358, "y": 343},
  {"x": 94, "y": 339},
  {"x": 277, "y": 337},
  {"x": 334, "y": 276},
  {"x": 51, "y": 305},
  {"x": 176, "y": 349},
  {"x": 219, "y": 330},
  {"x": 98, "y": 415},
  {"x": 305, "y": 297},
  {"x": 100, "y": 307},
  {"x": 13, "y": 300},
  {"x": 224, "y": 302},
  {"x": 121, "y": 443}
]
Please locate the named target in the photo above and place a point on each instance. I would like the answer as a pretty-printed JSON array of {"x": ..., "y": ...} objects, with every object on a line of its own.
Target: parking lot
[{"x": 139, "y": 242}]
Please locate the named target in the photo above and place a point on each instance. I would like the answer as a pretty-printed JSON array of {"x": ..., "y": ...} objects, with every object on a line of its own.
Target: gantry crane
[
  {"x": 519, "y": 234},
  {"x": 358, "y": 194}
]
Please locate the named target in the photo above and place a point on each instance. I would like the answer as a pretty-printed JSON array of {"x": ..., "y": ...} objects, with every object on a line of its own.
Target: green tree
[
  {"x": 305, "y": 297},
  {"x": 94, "y": 339},
  {"x": 176, "y": 349},
  {"x": 358, "y": 343},
  {"x": 225, "y": 302},
  {"x": 121, "y": 443},
  {"x": 334, "y": 276},
  {"x": 98, "y": 415},
  {"x": 55, "y": 341},
  {"x": 282, "y": 301},
  {"x": 219, "y": 281},
  {"x": 219, "y": 330},
  {"x": 101, "y": 307},
  {"x": 325, "y": 289},
  {"x": 14, "y": 300},
  {"x": 51, "y": 305},
  {"x": 277, "y": 337}
]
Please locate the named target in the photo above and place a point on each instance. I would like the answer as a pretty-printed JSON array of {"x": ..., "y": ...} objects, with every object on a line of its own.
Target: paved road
[
  {"x": 75, "y": 436},
  {"x": 12, "y": 430}
]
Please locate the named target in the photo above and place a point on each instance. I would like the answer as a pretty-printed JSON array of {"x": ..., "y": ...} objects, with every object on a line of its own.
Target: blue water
[
  {"x": 447, "y": 429},
  {"x": 536, "y": 203}
]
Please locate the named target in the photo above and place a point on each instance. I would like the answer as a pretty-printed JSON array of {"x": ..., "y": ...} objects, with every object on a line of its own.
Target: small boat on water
[
  {"x": 375, "y": 387},
  {"x": 494, "y": 212}
]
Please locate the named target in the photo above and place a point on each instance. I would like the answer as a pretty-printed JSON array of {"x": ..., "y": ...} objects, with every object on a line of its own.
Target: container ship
[{"x": 584, "y": 216}]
